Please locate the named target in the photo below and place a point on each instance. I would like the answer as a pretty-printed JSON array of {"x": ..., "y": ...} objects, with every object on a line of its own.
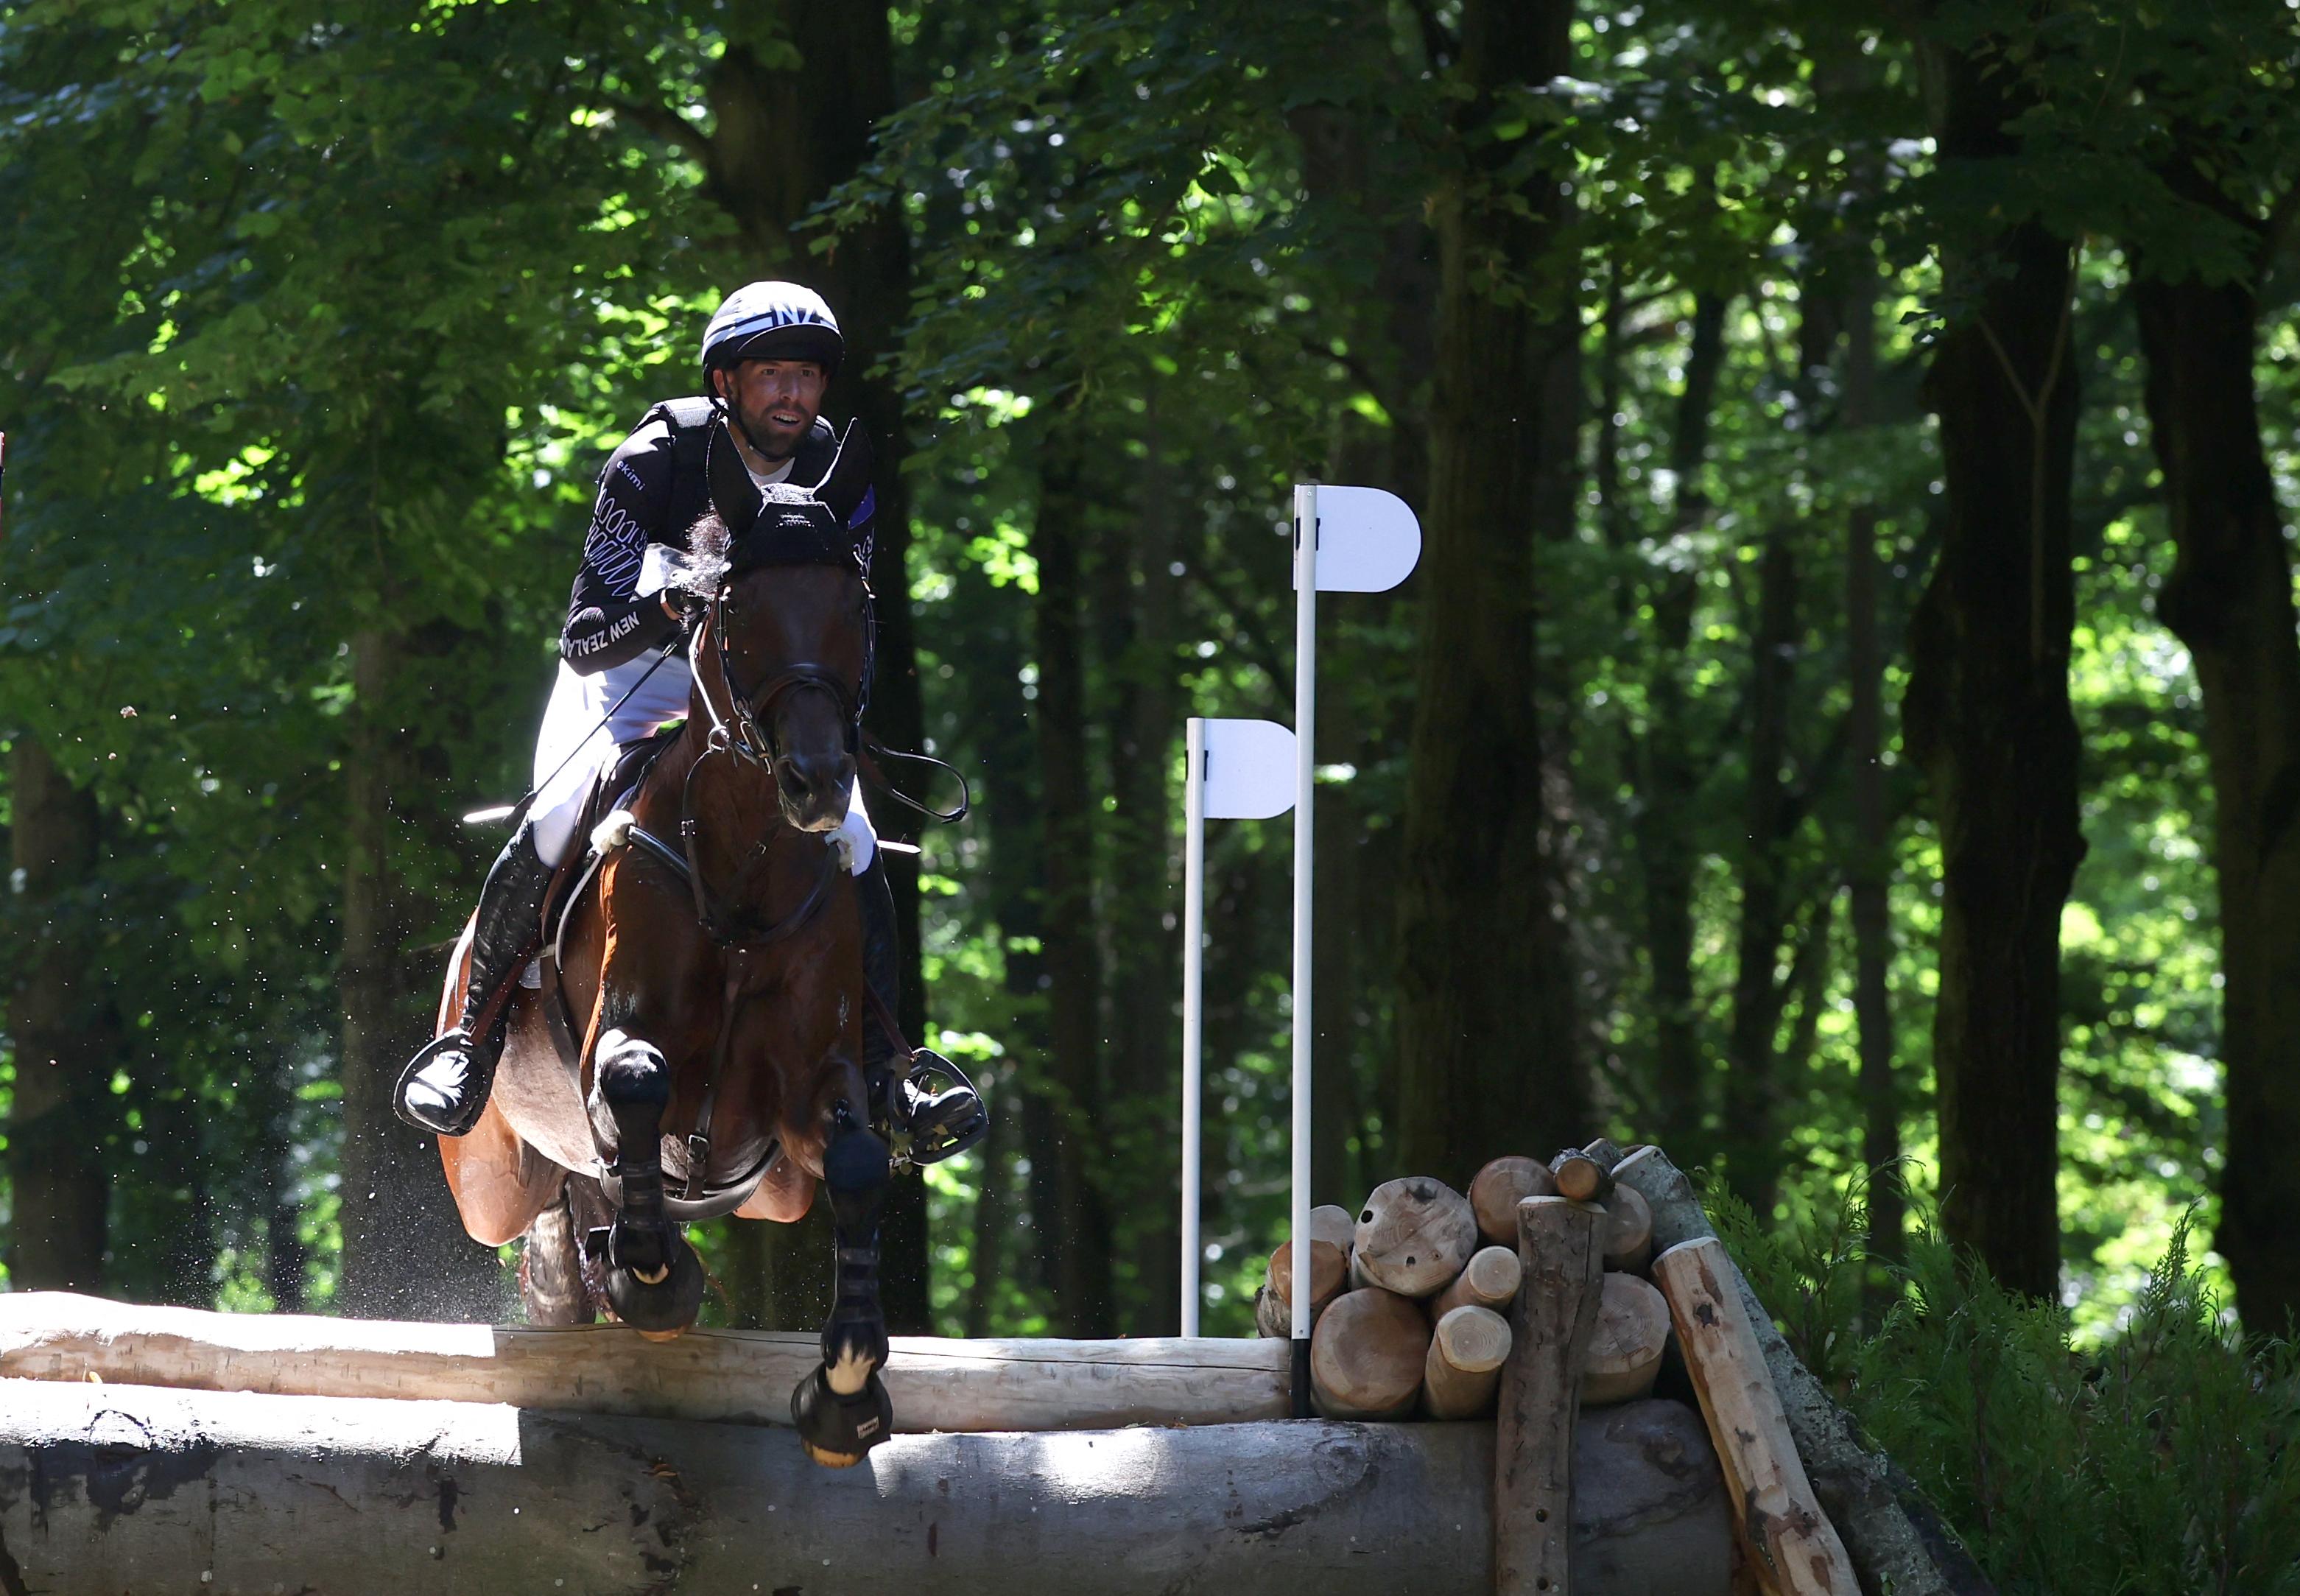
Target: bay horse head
[{"x": 782, "y": 656}]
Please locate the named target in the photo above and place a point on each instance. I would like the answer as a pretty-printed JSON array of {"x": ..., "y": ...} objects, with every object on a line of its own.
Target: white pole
[
  {"x": 1305, "y": 708},
  {"x": 1193, "y": 916}
]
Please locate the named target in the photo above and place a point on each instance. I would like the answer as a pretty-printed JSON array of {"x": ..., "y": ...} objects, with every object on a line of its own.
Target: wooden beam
[
  {"x": 1898, "y": 1542},
  {"x": 110, "y": 1488},
  {"x": 1797, "y": 1548},
  {"x": 726, "y": 1375},
  {"x": 1564, "y": 1269}
]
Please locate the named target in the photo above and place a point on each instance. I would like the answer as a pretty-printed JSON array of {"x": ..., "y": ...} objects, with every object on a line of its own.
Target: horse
[{"x": 712, "y": 941}]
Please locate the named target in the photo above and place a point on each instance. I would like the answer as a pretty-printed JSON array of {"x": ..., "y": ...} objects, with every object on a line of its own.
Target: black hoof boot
[
  {"x": 836, "y": 1430},
  {"x": 654, "y": 1281},
  {"x": 663, "y": 1308}
]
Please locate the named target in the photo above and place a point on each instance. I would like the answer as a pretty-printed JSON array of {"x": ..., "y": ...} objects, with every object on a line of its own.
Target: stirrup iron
[{"x": 930, "y": 1139}]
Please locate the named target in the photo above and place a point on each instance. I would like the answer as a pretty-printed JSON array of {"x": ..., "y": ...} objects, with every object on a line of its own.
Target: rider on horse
[{"x": 767, "y": 355}]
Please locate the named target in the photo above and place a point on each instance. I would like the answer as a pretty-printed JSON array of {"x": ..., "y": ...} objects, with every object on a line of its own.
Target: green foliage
[
  {"x": 2156, "y": 1455},
  {"x": 315, "y": 321}
]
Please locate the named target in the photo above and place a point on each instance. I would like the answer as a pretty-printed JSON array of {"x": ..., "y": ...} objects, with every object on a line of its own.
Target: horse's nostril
[{"x": 806, "y": 776}]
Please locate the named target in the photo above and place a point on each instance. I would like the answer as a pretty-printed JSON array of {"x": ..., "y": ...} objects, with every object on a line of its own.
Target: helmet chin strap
[{"x": 734, "y": 415}]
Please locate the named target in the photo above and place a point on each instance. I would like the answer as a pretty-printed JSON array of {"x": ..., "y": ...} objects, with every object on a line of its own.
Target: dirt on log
[{"x": 104, "y": 1489}]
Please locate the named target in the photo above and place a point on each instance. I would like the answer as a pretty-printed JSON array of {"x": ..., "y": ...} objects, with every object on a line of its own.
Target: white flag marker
[
  {"x": 1236, "y": 770},
  {"x": 1346, "y": 540},
  {"x": 1368, "y": 540}
]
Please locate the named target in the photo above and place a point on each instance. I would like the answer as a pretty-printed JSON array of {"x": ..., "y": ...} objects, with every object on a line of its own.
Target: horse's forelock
[{"x": 710, "y": 555}]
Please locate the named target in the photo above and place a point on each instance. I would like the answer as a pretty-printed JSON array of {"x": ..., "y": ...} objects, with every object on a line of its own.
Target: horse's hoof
[
  {"x": 837, "y": 1430},
  {"x": 664, "y": 1309}
]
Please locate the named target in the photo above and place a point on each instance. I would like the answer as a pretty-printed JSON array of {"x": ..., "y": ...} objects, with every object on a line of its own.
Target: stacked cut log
[
  {"x": 1412, "y": 1297},
  {"x": 1546, "y": 1287}
]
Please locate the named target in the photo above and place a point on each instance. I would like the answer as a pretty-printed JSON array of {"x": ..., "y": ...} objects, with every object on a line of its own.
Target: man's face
[{"x": 778, "y": 401}]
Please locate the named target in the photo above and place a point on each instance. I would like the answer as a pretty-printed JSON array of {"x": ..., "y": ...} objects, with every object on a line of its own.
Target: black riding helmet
[{"x": 771, "y": 321}]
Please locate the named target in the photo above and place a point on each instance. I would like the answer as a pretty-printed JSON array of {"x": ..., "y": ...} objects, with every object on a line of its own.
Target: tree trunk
[
  {"x": 1346, "y": 156},
  {"x": 783, "y": 137},
  {"x": 1000, "y": 728},
  {"x": 66, "y": 1036},
  {"x": 1072, "y": 962},
  {"x": 1144, "y": 898},
  {"x": 1869, "y": 872},
  {"x": 405, "y": 1253},
  {"x": 1987, "y": 715},
  {"x": 1487, "y": 1038},
  {"x": 2229, "y": 598},
  {"x": 1671, "y": 769},
  {"x": 1752, "y": 1134},
  {"x": 1771, "y": 810}
]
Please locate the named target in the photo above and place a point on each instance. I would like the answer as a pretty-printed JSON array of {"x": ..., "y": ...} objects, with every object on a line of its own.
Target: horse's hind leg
[
  {"x": 654, "y": 1279},
  {"x": 841, "y": 1410},
  {"x": 551, "y": 1268}
]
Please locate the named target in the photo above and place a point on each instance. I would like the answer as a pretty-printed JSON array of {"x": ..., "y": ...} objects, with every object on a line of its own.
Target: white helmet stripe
[{"x": 763, "y": 308}]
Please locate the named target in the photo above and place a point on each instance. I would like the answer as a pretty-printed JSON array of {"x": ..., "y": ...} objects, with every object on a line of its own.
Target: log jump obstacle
[{"x": 152, "y": 1450}]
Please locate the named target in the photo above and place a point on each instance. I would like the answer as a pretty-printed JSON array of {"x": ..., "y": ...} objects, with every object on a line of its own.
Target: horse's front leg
[
  {"x": 841, "y": 1410},
  {"x": 649, "y": 972},
  {"x": 654, "y": 1279}
]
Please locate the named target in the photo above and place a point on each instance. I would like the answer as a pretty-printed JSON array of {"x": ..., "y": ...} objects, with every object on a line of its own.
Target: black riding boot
[
  {"x": 445, "y": 1086},
  {"x": 935, "y": 1124}
]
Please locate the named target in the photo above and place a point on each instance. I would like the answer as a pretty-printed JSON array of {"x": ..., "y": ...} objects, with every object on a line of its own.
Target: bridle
[
  {"x": 745, "y": 730},
  {"x": 748, "y": 728}
]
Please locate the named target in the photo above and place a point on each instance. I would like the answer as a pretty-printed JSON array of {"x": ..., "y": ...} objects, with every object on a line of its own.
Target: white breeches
[{"x": 577, "y": 704}]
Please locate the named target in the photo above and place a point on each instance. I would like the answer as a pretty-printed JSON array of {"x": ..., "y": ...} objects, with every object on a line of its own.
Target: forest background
[{"x": 1847, "y": 719}]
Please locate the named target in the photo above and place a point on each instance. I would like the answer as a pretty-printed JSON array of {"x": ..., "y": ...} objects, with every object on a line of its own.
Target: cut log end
[
  {"x": 1625, "y": 1349},
  {"x": 1331, "y": 1221},
  {"x": 1494, "y": 1194},
  {"x": 1414, "y": 1236},
  {"x": 1367, "y": 1356},
  {"x": 1629, "y": 1229},
  {"x": 1489, "y": 1280},
  {"x": 1463, "y": 1367},
  {"x": 1580, "y": 1176},
  {"x": 1328, "y": 1273}
]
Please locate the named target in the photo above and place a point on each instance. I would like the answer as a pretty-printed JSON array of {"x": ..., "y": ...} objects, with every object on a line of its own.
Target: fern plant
[{"x": 2159, "y": 1463}]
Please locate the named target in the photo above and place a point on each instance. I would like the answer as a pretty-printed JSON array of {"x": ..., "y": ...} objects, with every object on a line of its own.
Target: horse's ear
[
  {"x": 848, "y": 479},
  {"x": 733, "y": 494}
]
